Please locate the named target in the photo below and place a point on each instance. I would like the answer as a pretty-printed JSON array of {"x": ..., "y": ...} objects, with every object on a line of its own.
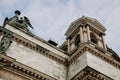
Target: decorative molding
[
  {"x": 90, "y": 73},
  {"x": 11, "y": 65},
  {"x": 35, "y": 47},
  {"x": 95, "y": 52},
  {"x": 73, "y": 57}
]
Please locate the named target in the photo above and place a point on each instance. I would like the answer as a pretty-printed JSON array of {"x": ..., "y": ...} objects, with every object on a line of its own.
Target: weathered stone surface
[
  {"x": 102, "y": 66},
  {"x": 34, "y": 40},
  {"x": 37, "y": 61},
  {"x": 87, "y": 59},
  {"x": 78, "y": 65}
]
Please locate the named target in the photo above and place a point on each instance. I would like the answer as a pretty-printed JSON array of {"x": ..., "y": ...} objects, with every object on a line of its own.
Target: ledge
[
  {"x": 95, "y": 52},
  {"x": 89, "y": 72},
  {"x": 10, "y": 64},
  {"x": 29, "y": 44}
]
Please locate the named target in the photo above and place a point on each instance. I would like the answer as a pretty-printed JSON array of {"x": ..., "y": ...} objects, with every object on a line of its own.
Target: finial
[
  {"x": 17, "y": 12},
  {"x": 83, "y": 16}
]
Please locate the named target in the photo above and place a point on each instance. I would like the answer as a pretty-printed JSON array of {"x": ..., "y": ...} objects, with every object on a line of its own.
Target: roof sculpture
[{"x": 22, "y": 22}]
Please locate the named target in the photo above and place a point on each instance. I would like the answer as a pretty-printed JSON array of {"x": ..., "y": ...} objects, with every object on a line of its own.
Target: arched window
[
  {"x": 93, "y": 38},
  {"x": 77, "y": 40}
]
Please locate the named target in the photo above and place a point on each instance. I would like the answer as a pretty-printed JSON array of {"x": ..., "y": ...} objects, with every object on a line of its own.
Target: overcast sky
[{"x": 51, "y": 18}]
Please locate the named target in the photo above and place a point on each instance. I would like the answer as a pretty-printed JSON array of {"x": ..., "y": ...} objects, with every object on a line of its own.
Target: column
[
  {"x": 81, "y": 34},
  {"x": 88, "y": 33},
  {"x": 104, "y": 45},
  {"x": 69, "y": 48}
]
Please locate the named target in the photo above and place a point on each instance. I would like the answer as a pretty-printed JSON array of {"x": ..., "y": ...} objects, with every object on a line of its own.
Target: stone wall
[
  {"x": 78, "y": 65},
  {"x": 103, "y": 66},
  {"x": 37, "y": 61},
  {"x": 90, "y": 60},
  {"x": 37, "y": 40}
]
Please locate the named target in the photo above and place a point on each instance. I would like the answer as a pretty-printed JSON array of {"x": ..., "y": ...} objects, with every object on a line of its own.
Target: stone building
[{"x": 82, "y": 56}]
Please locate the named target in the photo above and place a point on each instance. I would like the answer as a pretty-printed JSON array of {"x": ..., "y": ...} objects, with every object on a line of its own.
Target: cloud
[
  {"x": 1, "y": 20},
  {"x": 11, "y": 4}
]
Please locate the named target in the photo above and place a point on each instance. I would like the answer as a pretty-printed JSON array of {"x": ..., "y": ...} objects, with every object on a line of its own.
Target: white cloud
[
  {"x": 10, "y": 4},
  {"x": 1, "y": 20}
]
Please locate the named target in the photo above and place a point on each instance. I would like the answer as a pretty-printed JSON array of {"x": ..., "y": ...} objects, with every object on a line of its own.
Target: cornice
[
  {"x": 21, "y": 40},
  {"x": 11, "y": 65},
  {"x": 84, "y": 48},
  {"x": 33, "y": 35},
  {"x": 89, "y": 72}
]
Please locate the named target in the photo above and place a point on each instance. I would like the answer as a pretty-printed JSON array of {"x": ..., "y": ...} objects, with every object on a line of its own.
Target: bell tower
[
  {"x": 90, "y": 58},
  {"x": 85, "y": 30}
]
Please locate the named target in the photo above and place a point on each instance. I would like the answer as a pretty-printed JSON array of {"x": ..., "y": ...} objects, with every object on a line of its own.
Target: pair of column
[
  {"x": 88, "y": 38},
  {"x": 81, "y": 38},
  {"x": 81, "y": 33}
]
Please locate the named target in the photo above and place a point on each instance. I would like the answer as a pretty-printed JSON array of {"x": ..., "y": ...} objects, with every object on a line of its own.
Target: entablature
[
  {"x": 90, "y": 74},
  {"x": 95, "y": 50},
  {"x": 36, "y": 47},
  {"x": 10, "y": 64}
]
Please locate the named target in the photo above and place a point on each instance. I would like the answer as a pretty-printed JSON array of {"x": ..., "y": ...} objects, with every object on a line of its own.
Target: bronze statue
[
  {"x": 14, "y": 20},
  {"x": 25, "y": 23},
  {"x": 22, "y": 23},
  {"x": 16, "y": 17},
  {"x": 28, "y": 22}
]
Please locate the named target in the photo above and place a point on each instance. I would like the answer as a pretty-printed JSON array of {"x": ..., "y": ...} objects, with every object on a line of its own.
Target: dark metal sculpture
[
  {"x": 22, "y": 23},
  {"x": 15, "y": 19},
  {"x": 5, "y": 43},
  {"x": 28, "y": 22}
]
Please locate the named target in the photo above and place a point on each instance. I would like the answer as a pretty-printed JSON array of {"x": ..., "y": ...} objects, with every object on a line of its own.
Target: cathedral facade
[{"x": 84, "y": 54}]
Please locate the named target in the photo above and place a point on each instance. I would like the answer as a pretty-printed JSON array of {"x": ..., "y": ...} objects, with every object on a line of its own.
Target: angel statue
[
  {"x": 28, "y": 22},
  {"x": 25, "y": 23},
  {"x": 14, "y": 20}
]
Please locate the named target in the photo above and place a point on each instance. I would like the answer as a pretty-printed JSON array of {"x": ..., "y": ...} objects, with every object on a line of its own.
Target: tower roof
[{"x": 84, "y": 20}]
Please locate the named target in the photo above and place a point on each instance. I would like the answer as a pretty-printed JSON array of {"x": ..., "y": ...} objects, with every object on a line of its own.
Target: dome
[{"x": 86, "y": 20}]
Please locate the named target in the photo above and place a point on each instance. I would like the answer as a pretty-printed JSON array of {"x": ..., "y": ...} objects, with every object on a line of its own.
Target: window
[
  {"x": 93, "y": 38},
  {"x": 77, "y": 40}
]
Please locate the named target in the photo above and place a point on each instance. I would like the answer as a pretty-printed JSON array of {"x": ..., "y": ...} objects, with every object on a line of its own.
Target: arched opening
[
  {"x": 93, "y": 38},
  {"x": 77, "y": 40}
]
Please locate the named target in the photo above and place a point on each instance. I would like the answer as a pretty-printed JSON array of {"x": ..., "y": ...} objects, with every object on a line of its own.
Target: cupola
[{"x": 85, "y": 30}]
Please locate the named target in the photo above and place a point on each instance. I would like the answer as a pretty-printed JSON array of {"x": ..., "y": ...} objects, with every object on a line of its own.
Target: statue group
[
  {"x": 15, "y": 21},
  {"x": 22, "y": 22}
]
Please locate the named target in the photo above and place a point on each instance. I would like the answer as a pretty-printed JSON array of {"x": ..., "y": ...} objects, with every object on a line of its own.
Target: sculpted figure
[
  {"x": 5, "y": 43},
  {"x": 22, "y": 23},
  {"x": 15, "y": 19},
  {"x": 25, "y": 23}
]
